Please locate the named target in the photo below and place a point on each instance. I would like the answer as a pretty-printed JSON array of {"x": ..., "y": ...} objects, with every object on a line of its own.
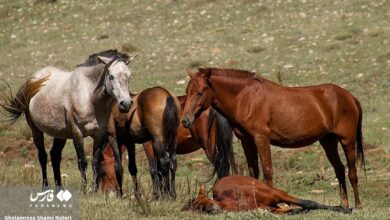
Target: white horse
[{"x": 72, "y": 105}]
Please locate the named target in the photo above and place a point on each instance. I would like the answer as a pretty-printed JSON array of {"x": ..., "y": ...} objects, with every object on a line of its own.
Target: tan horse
[
  {"x": 153, "y": 117},
  {"x": 211, "y": 132},
  {"x": 72, "y": 105},
  {"x": 263, "y": 113}
]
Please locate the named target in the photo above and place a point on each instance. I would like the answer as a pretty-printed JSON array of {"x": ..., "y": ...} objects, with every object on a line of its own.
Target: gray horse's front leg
[
  {"x": 99, "y": 143},
  {"x": 118, "y": 162},
  {"x": 82, "y": 161}
]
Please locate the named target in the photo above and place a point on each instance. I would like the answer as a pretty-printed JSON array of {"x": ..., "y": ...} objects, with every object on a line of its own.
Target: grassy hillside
[{"x": 292, "y": 42}]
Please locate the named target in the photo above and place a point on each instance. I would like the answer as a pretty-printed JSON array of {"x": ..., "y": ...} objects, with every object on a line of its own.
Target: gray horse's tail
[{"x": 12, "y": 107}]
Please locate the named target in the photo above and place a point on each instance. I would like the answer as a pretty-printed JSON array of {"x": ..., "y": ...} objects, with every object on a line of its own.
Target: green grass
[{"x": 298, "y": 42}]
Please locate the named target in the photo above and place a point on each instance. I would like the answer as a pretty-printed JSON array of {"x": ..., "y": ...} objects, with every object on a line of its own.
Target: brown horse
[
  {"x": 153, "y": 117},
  {"x": 262, "y": 113},
  {"x": 239, "y": 193},
  {"x": 210, "y": 132}
]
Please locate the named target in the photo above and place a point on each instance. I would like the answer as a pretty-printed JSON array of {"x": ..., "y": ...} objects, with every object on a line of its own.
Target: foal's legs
[
  {"x": 329, "y": 143},
  {"x": 349, "y": 150},
  {"x": 133, "y": 168},
  {"x": 99, "y": 142},
  {"x": 39, "y": 144},
  {"x": 55, "y": 155}
]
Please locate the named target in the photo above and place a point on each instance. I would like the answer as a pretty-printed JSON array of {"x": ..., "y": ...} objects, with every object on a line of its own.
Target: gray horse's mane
[{"x": 93, "y": 60}]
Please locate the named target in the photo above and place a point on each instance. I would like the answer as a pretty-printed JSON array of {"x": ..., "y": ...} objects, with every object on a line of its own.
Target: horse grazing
[
  {"x": 72, "y": 105},
  {"x": 240, "y": 193},
  {"x": 153, "y": 117},
  {"x": 210, "y": 132},
  {"x": 262, "y": 113}
]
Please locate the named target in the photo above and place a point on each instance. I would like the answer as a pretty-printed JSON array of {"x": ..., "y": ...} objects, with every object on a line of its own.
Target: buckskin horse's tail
[
  {"x": 170, "y": 124},
  {"x": 223, "y": 156},
  {"x": 15, "y": 106},
  {"x": 359, "y": 138}
]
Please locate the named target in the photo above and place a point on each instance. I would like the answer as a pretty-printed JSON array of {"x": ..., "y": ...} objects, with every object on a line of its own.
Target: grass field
[{"x": 292, "y": 42}]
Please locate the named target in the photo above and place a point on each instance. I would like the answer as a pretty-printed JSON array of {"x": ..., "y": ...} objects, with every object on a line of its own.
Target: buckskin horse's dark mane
[{"x": 93, "y": 60}]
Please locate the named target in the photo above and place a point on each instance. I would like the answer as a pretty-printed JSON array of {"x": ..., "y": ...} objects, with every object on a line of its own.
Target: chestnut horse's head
[{"x": 199, "y": 96}]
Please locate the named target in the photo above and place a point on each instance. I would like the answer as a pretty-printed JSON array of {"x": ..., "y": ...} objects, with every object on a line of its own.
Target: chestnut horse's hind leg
[
  {"x": 349, "y": 150},
  {"x": 55, "y": 155},
  {"x": 329, "y": 143},
  {"x": 39, "y": 144}
]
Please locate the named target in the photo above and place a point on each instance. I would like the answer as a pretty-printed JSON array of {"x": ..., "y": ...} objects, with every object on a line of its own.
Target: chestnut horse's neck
[{"x": 226, "y": 93}]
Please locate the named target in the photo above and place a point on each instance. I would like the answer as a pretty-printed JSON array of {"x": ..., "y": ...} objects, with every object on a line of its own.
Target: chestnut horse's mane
[{"x": 233, "y": 73}]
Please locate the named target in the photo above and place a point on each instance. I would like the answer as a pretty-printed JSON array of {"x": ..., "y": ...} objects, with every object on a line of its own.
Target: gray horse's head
[{"x": 116, "y": 81}]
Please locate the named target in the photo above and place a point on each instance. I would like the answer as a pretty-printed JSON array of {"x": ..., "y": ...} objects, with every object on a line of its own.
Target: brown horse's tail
[
  {"x": 224, "y": 156},
  {"x": 359, "y": 138},
  {"x": 170, "y": 125},
  {"x": 15, "y": 106}
]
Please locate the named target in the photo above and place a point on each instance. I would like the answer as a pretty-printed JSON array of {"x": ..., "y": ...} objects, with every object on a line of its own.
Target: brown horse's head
[
  {"x": 198, "y": 96},
  {"x": 202, "y": 203}
]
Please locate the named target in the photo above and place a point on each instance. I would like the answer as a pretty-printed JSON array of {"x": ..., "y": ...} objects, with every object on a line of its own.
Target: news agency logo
[{"x": 46, "y": 199}]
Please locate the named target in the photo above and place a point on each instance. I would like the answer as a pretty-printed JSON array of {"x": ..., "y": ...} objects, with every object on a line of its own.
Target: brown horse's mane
[{"x": 233, "y": 73}]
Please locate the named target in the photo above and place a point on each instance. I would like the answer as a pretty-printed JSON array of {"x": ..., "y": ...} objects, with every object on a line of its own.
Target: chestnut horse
[
  {"x": 153, "y": 117},
  {"x": 240, "y": 193},
  {"x": 210, "y": 132},
  {"x": 262, "y": 112}
]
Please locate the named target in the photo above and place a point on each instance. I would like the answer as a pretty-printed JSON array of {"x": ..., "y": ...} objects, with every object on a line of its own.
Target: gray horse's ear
[
  {"x": 104, "y": 60},
  {"x": 128, "y": 61}
]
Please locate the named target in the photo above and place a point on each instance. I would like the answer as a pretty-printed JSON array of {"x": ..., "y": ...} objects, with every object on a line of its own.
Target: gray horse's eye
[{"x": 111, "y": 77}]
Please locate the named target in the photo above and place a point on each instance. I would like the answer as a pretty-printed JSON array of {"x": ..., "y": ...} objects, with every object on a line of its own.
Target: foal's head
[
  {"x": 203, "y": 203},
  {"x": 116, "y": 79},
  {"x": 198, "y": 96}
]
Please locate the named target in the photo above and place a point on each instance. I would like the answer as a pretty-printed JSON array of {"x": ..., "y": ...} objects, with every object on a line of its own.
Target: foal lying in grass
[{"x": 240, "y": 193}]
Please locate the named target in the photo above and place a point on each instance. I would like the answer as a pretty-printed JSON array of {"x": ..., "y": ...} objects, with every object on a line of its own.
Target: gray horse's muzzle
[{"x": 125, "y": 105}]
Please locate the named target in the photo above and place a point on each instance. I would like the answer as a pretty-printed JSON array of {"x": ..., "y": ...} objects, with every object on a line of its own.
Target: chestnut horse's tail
[
  {"x": 359, "y": 138},
  {"x": 15, "y": 106},
  {"x": 224, "y": 156},
  {"x": 170, "y": 124}
]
